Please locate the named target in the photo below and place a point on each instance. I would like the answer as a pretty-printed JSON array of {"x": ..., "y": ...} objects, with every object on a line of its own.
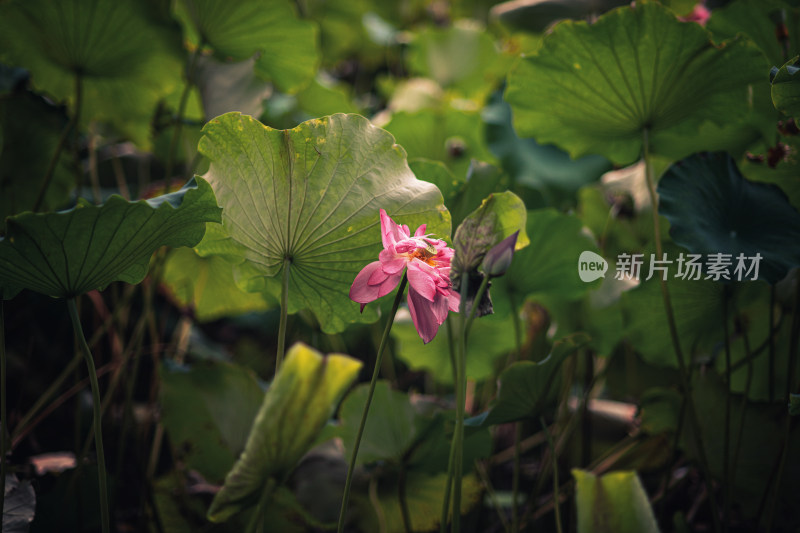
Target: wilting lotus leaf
[
  {"x": 615, "y": 502},
  {"x": 296, "y": 406}
]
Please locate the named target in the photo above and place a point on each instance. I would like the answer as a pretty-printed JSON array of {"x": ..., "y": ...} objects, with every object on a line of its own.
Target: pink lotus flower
[
  {"x": 700, "y": 14},
  {"x": 430, "y": 296}
]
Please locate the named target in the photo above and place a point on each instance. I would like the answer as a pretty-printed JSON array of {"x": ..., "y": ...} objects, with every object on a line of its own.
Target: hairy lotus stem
[
  {"x": 676, "y": 344},
  {"x": 378, "y": 358},
  {"x": 98, "y": 432},
  {"x": 456, "y": 466}
]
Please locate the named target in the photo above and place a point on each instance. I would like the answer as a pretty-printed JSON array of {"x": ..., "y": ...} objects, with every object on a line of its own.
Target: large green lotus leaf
[
  {"x": 449, "y": 135},
  {"x": 757, "y": 20},
  {"x": 127, "y": 56},
  {"x": 285, "y": 46},
  {"x": 217, "y": 242},
  {"x": 613, "y": 503},
  {"x": 462, "y": 57},
  {"x": 311, "y": 195},
  {"x": 207, "y": 410},
  {"x": 31, "y": 129},
  {"x": 697, "y": 306},
  {"x": 713, "y": 209},
  {"x": 67, "y": 253},
  {"x": 549, "y": 265},
  {"x": 736, "y": 137},
  {"x": 525, "y": 386},
  {"x": 786, "y": 88},
  {"x": 595, "y": 88},
  {"x": 752, "y": 18},
  {"x": 207, "y": 285},
  {"x": 391, "y": 426},
  {"x": 297, "y": 405},
  {"x": 545, "y": 168},
  {"x": 489, "y": 339}
]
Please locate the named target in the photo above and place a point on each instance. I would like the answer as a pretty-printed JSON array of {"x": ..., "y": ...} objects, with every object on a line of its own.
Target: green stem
[
  {"x": 451, "y": 346},
  {"x": 556, "y": 490},
  {"x": 743, "y": 408},
  {"x": 384, "y": 341},
  {"x": 284, "y": 315},
  {"x": 448, "y": 487},
  {"x": 457, "y": 445},
  {"x": 472, "y": 312},
  {"x": 127, "y": 413},
  {"x": 518, "y": 425},
  {"x": 771, "y": 340},
  {"x": 401, "y": 497},
  {"x": 586, "y": 419},
  {"x": 27, "y": 422},
  {"x": 98, "y": 432},
  {"x": 458, "y": 435},
  {"x": 62, "y": 140},
  {"x": 794, "y": 343},
  {"x": 176, "y": 131},
  {"x": 515, "y": 478},
  {"x": 676, "y": 345},
  {"x": 114, "y": 382},
  {"x": 676, "y": 439},
  {"x": 3, "y": 415}
]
